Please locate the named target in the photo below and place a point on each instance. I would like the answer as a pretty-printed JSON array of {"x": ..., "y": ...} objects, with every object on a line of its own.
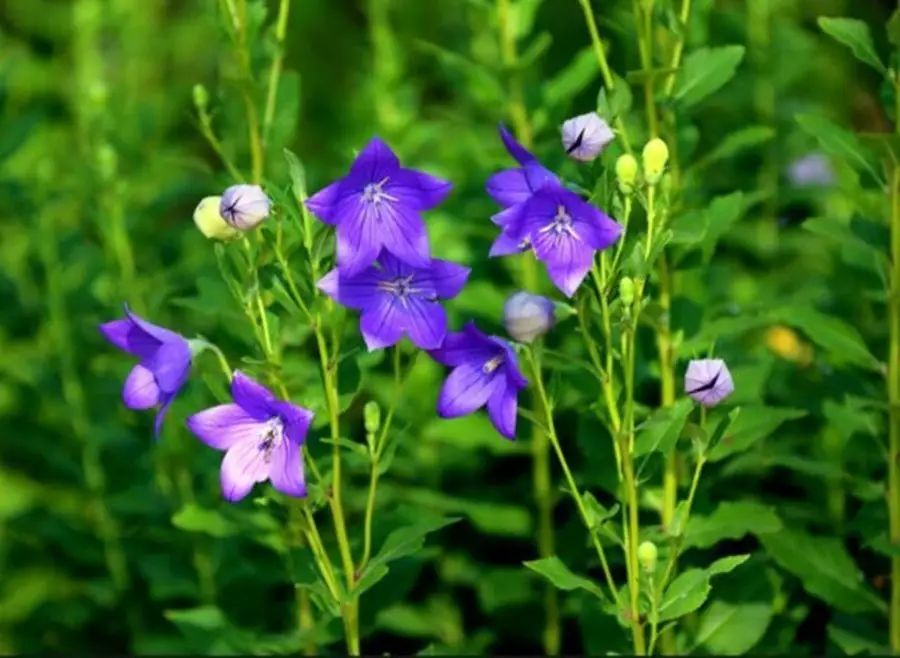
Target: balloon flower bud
[
  {"x": 244, "y": 206},
  {"x": 527, "y": 316},
  {"x": 708, "y": 381},
  {"x": 626, "y": 290},
  {"x": 584, "y": 137},
  {"x": 372, "y": 417},
  {"x": 626, "y": 172},
  {"x": 201, "y": 97},
  {"x": 647, "y": 554},
  {"x": 210, "y": 222},
  {"x": 655, "y": 156}
]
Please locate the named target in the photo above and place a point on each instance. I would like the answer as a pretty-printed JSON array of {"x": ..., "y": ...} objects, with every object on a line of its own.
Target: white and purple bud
[
  {"x": 708, "y": 381},
  {"x": 584, "y": 137},
  {"x": 528, "y": 316},
  {"x": 812, "y": 170},
  {"x": 210, "y": 223},
  {"x": 244, "y": 206}
]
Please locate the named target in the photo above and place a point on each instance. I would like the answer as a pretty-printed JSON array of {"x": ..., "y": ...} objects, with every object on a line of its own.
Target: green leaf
[
  {"x": 402, "y": 542},
  {"x": 719, "y": 217},
  {"x": 893, "y": 28},
  {"x": 839, "y": 143},
  {"x": 692, "y": 587},
  {"x": 731, "y": 520},
  {"x": 733, "y": 628},
  {"x": 571, "y": 80},
  {"x": 854, "y": 250},
  {"x": 661, "y": 431},
  {"x": 193, "y": 518},
  {"x": 553, "y": 569},
  {"x": 704, "y": 71},
  {"x": 854, "y": 34},
  {"x": 754, "y": 423},
  {"x": 825, "y": 569},
  {"x": 735, "y": 143},
  {"x": 611, "y": 104}
]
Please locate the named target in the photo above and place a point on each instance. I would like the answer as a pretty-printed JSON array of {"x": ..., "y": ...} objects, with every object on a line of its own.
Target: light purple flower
[
  {"x": 244, "y": 206},
  {"x": 262, "y": 437},
  {"x": 812, "y": 170},
  {"x": 165, "y": 362},
  {"x": 708, "y": 381},
  {"x": 584, "y": 137},
  {"x": 485, "y": 372},
  {"x": 528, "y": 316},
  {"x": 378, "y": 205},
  {"x": 397, "y": 299},
  {"x": 563, "y": 230}
]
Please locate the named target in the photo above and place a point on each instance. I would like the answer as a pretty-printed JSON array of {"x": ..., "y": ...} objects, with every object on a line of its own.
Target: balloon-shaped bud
[
  {"x": 584, "y": 137},
  {"x": 528, "y": 316},
  {"x": 655, "y": 156},
  {"x": 244, "y": 206},
  {"x": 626, "y": 172},
  {"x": 626, "y": 290},
  {"x": 647, "y": 555}
]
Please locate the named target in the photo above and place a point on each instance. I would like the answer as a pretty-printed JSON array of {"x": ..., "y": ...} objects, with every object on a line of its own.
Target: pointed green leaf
[
  {"x": 704, "y": 71},
  {"x": 854, "y": 34},
  {"x": 553, "y": 569}
]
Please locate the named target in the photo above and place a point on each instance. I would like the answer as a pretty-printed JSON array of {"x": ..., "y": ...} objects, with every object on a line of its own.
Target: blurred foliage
[{"x": 111, "y": 543}]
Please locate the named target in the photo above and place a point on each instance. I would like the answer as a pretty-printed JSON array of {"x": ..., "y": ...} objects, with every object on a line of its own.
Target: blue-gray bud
[
  {"x": 528, "y": 316},
  {"x": 244, "y": 206}
]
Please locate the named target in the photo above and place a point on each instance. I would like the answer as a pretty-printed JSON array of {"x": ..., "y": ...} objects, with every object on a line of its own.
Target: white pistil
[
  {"x": 491, "y": 365},
  {"x": 561, "y": 224},
  {"x": 270, "y": 437},
  {"x": 374, "y": 192}
]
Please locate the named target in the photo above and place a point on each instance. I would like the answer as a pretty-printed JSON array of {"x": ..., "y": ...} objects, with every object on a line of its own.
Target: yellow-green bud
[
  {"x": 655, "y": 156},
  {"x": 626, "y": 290},
  {"x": 647, "y": 555},
  {"x": 372, "y": 417},
  {"x": 626, "y": 172},
  {"x": 210, "y": 222},
  {"x": 201, "y": 97}
]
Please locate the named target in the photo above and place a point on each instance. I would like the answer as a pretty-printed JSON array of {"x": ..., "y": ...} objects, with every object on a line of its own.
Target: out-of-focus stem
[
  {"x": 608, "y": 79},
  {"x": 893, "y": 376},
  {"x": 284, "y": 8},
  {"x": 239, "y": 16}
]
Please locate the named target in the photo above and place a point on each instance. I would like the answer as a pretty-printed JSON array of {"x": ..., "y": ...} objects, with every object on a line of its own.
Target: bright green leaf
[
  {"x": 705, "y": 71},
  {"x": 854, "y": 34}
]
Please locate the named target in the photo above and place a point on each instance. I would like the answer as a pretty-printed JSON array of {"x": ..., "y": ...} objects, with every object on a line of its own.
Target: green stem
[
  {"x": 534, "y": 364},
  {"x": 239, "y": 15},
  {"x": 600, "y": 53},
  {"x": 644, "y": 20},
  {"x": 893, "y": 376}
]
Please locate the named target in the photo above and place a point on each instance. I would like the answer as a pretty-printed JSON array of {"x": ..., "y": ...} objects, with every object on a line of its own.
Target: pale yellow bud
[
  {"x": 626, "y": 172},
  {"x": 655, "y": 156},
  {"x": 647, "y": 554},
  {"x": 210, "y": 222}
]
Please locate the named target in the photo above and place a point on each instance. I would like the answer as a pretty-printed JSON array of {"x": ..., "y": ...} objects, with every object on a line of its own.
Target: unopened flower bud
[
  {"x": 372, "y": 417},
  {"x": 626, "y": 172},
  {"x": 210, "y": 222},
  {"x": 527, "y": 316},
  {"x": 201, "y": 97},
  {"x": 708, "y": 381},
  {"x": 584, "y": 137},
  {"x": 244, "y": 206},
  {"x": 626, "y": 290},
  {"x": 647, "y": 554},
  {"x": 655, "y": 156}
]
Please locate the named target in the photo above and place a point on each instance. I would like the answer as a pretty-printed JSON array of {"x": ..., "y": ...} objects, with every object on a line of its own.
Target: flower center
[
  {"x": 491, "y": 365},
  {"x": 374, "y": 192},
  {"x": 270, "y": 437},
  {"x": 401, "y": 287},
  {"x": 561, "y": 225}
]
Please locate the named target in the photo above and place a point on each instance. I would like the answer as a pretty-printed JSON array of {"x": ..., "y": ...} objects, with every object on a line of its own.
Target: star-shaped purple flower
[
  {"x": 262, "y": 437},
  {"x": 563, "y": 230},
  {"x": 485, "y": 372},
  {"x": 378, "y": 205},
  {"x": 708, "y": 381},
  {"x": 165, "y": 362},
  {"x": 397, "y": 299}
]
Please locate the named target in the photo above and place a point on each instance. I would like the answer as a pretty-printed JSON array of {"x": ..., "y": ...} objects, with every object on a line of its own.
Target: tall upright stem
[
  {"x": 540, "y": 446},
  {"x": 893, "y": 385}
]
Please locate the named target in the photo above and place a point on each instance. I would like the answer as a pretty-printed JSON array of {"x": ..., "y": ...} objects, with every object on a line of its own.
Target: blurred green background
[{"x": 111, "y": 542}]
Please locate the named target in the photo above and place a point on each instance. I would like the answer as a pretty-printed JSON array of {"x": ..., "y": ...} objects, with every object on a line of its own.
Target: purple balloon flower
[
  {"x": 564, "y": 231},
  {"x": 378, "y": 205},
  {"x": 708, "y": 381},
  {"x": 485, "y": 372},
  {"x": 397, "y": 299},
  {"x": 165, "y": 362},
  {"x": 262, "y": 437},
  {"x": 514, "y": 186}
]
